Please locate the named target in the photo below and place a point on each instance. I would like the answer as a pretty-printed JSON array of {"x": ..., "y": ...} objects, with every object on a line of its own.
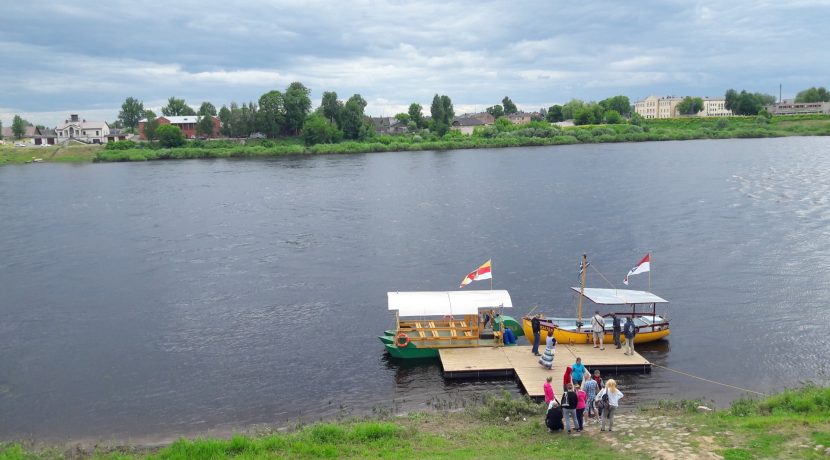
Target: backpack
[{"x": 603, "y": 401}]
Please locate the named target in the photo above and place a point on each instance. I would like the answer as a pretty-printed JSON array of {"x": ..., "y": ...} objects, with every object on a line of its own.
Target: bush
[
  {"x": 499, "y": 408},
  {"x": 170, "y": 136},
  {"x": 120, "y": 145}
]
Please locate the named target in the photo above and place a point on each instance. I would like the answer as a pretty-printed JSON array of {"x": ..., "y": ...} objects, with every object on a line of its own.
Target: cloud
[{"x": 82, "y": 58}]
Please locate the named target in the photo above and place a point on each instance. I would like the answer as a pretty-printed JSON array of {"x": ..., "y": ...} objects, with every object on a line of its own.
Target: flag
[
  {"x": 481, "y": 273},
  {"x": 641, "y": 267},
  {"x": 581, "y": 269}
]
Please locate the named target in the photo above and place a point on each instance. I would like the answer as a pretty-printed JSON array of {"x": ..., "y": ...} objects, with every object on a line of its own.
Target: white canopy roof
[
  {"x": 620, "y": 296},
  {"x": 441, "y": 303}
]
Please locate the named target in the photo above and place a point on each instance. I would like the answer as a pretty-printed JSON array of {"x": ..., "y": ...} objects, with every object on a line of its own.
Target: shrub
[
  {"x": 120, "y": 145},
  {"x": 170, "y": 136},
  {"x": 495, "y": 408}
]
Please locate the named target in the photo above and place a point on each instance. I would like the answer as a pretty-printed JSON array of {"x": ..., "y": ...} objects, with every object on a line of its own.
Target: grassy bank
[
  {"x": 10, "y": 154},
  {"x": 534, "y": 134},
  {"x": 793, "y": 424}
]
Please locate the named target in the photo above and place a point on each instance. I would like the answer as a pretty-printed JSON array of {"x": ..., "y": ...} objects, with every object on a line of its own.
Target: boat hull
[
  {"x": 658, "y": 332},
  {"x": 413, "y": 351}
]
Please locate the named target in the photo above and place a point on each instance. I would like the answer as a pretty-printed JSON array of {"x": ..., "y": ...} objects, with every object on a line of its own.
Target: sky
[{"x": 87, "y": 57}]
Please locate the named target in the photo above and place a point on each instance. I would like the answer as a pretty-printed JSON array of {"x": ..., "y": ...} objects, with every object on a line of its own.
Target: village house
[
  {"x": 186, "y": 123},
  {"x": 45, "y": 136},
  {"x": 388, "y": 125},
  {"x": 520, "y": 118},
  {"x": 90, "y": 132},
  {"x": 29, "y": 132},
  {"x": 466, "y": 125},
  {"x": 483, "y": 117}
]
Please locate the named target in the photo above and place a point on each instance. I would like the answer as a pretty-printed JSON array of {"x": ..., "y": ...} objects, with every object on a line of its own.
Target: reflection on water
[{"x": 177, "y": 297}]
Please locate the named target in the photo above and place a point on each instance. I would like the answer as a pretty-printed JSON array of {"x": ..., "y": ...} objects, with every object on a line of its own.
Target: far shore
[{"x": 533, "y": 134}]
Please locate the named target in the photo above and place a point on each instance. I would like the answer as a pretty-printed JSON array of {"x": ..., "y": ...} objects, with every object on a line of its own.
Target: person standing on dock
[
  {"x": 598, "y": 327},
  {"x": 578, "y": 372},
  {"x": 582, "y": 399},
  {"x": 537, "y": 333},
  {"x": 566, "y": 380},
  {"x": 617, "y": 330},
  {"x": 630, "y": 331}
]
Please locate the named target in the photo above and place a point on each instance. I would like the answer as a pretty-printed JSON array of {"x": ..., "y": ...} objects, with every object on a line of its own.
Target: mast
[{"x": 581, "y": 292}]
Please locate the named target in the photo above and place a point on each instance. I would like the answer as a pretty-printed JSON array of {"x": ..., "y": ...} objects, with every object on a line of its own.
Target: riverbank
[
  {"x": 793, "y": 424},
  {"x": 502, "y": 136},
  {"x": 530, "y": 135}
]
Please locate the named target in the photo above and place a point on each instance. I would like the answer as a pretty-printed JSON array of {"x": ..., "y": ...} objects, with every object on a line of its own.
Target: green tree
[
  {"x": 813, "y": 94},
  {"x": 271, "y": 113},
  {"x": 19, "y": 126},
  {"x": 206, "y": 109},
  {"x": 317, "y": 129},
  {"x": 496, "y": 111},
  {"x": 150, "y": 125},
  {"x": 351, "y": 120},
  {"x": 619, "y": 103},
  {"x": 442, "y": 114},
  {"x": 177, "y": 107},
  {"x": 636, "y": 119},
  {"x": 402, "y": 117},
  {"x": 555, "y": 114},
  {"x": 331, "y": 106},
  {"x": 297, "y": 106},
  {"x": 225, "y": 121},
  {"x": 132, "y": 110},
  {"x": 745, "y": 103},
  {"x": 170, "y": 136},
  {"x": 416, "y": 114},
  {"x": 570, "y": 108},
  {"x": 1, "y": 130},
  {"x": 509, "y": 106},
  {"x": 690, "y": 105},
  {"x": 584, "y": 116},
  {"x": 205, "y": 126}
]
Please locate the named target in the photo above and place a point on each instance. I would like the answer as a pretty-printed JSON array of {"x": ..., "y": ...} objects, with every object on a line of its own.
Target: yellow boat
[{"x": 650, "y": 326}]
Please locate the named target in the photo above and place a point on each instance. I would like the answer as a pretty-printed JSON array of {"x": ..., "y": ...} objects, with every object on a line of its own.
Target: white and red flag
[
  {"x": 641, "y": 267},
  {"x": 482, "y": 273}
]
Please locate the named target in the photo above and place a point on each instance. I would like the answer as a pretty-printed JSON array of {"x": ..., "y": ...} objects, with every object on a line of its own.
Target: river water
[{"x": 156, "y": 299}]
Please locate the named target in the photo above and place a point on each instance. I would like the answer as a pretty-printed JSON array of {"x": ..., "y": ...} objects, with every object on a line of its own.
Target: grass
[
  {"x": 9, "y": 154},
  {"x": 787, "y": 425}
]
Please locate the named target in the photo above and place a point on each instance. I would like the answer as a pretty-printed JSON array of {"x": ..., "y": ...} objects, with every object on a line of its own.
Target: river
[{"x": 180, "y": 297}]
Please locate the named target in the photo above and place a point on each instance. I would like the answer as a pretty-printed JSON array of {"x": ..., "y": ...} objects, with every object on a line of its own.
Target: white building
[
  {"x": 92, "y": 132},
  {"x": 714, "y": 107},
  {"x": 657, "y": 107}
]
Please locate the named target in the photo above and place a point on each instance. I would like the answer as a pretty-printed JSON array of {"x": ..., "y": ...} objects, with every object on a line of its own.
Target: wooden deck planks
[{"x": 519, "y": 361}]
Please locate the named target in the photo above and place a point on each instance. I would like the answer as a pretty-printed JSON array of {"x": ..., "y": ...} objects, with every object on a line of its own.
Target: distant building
[
  {"x": 714, "y": 107},
  {"x": 466, "y": 124},
  {"x": 90, "y": 132},
  {"x": 520, "y": 118},
  {"x": 45, "y": 136},
  {"x": 186, "y": 123},
  {"x": 388, "y": 125},
  {"x": 658, "y": 107},
  {"x": 483, "y": 117},
  {"x": 118, "y": 135},
  {"x": 790, "y": 107},
  {"x": 29, "y": 132}
]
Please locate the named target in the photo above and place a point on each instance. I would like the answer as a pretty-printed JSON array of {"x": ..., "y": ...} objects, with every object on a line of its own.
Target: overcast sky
[{"x": 86, "y": 57}]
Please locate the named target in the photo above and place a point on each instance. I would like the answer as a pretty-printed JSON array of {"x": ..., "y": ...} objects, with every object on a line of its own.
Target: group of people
[
  {"x": 581, "y": 391},
  {"x": 629, "y": 331}
]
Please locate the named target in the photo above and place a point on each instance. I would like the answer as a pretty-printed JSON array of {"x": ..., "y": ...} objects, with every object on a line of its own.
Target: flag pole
[
  {"x": 491, "y": 274},
  {"x": 649, "y": 270}
]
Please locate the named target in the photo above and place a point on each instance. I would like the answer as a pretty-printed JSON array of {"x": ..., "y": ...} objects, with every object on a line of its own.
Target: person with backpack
[
  {"x": 630, "y": 331},
  {"x": 608, "y": 399},
  {"x": 569, "y": 402},
  {"x": 598, "y": 327},
  {"x": 617, "y": 330}
]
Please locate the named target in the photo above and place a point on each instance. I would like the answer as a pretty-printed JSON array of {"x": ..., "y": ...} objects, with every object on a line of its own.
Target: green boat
[{"x": 428, "y": 321}]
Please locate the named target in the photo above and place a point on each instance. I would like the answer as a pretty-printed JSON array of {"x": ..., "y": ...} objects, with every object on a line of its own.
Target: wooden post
[{"x": 581, "y": 293}]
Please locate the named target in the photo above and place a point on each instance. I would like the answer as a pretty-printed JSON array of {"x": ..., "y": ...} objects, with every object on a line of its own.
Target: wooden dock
[{"x": 518, "y": 361}]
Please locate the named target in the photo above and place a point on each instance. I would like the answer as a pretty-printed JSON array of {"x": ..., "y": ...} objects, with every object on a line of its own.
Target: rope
[
  {"x": 603, "y": 277},
  {"x": 710, "y": 381}
]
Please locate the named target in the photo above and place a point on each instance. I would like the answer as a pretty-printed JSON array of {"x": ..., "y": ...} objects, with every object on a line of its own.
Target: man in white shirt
[{"x": 598, "y": 326}]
